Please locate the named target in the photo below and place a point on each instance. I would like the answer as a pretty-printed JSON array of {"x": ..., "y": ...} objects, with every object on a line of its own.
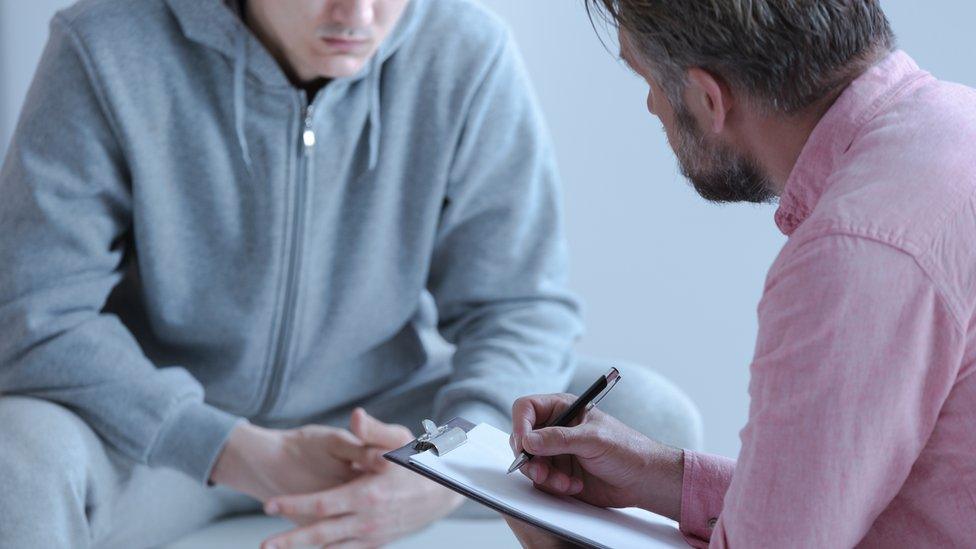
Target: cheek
[{"x": 386, "y": 13}]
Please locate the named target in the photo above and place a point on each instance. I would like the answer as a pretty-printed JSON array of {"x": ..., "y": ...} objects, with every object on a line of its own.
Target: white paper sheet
[{"x": 480, "y": 465}]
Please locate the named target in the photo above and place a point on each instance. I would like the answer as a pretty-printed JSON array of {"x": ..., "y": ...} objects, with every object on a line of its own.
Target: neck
[
  {"x": 256, "y": 20},
  {"x": 775, "y": 141}
]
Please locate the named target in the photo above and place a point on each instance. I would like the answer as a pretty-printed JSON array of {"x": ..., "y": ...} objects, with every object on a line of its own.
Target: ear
[{"x": 709, "y": 98}]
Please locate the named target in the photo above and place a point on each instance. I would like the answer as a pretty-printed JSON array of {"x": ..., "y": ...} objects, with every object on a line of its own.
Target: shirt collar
[{"x": 835, "y": 133}]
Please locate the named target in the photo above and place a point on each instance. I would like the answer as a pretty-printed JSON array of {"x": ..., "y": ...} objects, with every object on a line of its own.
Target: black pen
[{"x": 583, "y": 404}]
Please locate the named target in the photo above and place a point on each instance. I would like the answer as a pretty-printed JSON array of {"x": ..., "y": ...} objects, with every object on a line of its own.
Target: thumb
[
  {"x": 555, "y": 441},
  {"x": 374, "y": 432}
]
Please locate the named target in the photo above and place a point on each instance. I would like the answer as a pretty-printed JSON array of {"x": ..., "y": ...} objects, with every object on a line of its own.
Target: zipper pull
[{"x": 308, "y": 133}]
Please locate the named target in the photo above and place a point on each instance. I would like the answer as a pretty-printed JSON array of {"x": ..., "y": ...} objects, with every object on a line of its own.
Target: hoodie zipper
[{"x": 294, "y": 261}]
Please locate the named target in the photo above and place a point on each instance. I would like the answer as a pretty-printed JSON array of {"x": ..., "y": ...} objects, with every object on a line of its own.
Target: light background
[{"x": 669, "y": 281}]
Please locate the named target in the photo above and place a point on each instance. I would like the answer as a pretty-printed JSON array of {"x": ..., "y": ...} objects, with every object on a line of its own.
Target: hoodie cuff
[
  {"x": 476, "y": 412},
  {"x": 191, "y": 439}
]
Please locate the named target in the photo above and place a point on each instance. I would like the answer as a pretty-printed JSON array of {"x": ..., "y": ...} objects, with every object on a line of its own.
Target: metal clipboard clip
[{"x": 441, "y": 439}]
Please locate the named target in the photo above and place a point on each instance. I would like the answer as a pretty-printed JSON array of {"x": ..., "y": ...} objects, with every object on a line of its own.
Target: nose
[{"x": 353, "y": 13}]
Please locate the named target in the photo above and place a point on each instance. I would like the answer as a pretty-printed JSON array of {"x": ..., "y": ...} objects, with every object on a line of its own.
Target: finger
[
  {"x": 538, "y": 471},
  {"x": 576, "y": 474},
  {"x": 374, "y": 461},
  {"x": 332, "y": 502},
  {"x": 553, "y": 441},
  {"x": 575, "y": 487},
  {"x": 528, "y": 470},
  {"x": 350, "y": 544},
  {"x": 523, "y": 418},
  {"x": 559, "y": 477},
  {"x": 300, "y": 520},
  {"x": 376, "y": 433},
  {"x": 545, "y": 488},
  {"x": 548, "y": 478},
  {"x": 531, "y": 411},
  {"x": 558, "y": 480},
  {"x": 564, "y": 463},
  {"x": 329, "y": 442},
  {"x": 348, "y": 447},
  {"x": 326, "y": 532}
]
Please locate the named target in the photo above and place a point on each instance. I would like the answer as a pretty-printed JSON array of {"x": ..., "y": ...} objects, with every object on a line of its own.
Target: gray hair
[{"x": 784, "y": 54}]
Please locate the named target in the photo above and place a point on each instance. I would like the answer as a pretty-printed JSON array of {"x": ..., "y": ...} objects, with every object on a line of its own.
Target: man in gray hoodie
[{"x": 220, "y": 223}]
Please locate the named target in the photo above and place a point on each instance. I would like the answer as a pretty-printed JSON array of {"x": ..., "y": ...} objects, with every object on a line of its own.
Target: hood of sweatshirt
[{"x": 217, "y": 25}]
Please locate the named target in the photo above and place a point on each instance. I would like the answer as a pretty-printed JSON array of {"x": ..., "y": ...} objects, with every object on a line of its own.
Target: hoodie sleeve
[
  {"x": 65, "y": 222},
  {"x": 500, "y": 263}
]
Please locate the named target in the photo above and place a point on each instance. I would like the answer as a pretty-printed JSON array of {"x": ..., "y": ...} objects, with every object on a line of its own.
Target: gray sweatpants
[{"x": 61, "y": 486}]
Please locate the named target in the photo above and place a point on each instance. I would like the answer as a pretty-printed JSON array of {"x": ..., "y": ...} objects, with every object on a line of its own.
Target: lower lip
[{"x": 344, "y": 45}]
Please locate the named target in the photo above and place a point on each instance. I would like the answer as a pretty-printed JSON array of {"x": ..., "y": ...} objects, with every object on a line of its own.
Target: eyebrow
[
  {"x": 627, "y": 62},
  {"x": 622, "y": 57}
]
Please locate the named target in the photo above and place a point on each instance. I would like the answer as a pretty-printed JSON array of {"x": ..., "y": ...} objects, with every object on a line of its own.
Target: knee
[
  {"x": 43, "y": 447},
  {"x": 647, "y": 402}
]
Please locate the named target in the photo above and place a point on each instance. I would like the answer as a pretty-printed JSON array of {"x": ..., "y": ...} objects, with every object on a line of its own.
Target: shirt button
[{"x": 712, "y": 522}]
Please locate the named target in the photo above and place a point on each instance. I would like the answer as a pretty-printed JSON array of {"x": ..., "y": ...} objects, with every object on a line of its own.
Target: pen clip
[{"x": 612, "y": 378}]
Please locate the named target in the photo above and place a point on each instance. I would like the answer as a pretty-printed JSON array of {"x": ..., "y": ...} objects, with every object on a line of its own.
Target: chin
[{"x": 340, "y": 66}]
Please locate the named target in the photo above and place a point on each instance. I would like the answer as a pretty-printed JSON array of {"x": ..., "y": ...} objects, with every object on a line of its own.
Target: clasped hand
[{"x": 332, "y": 483}]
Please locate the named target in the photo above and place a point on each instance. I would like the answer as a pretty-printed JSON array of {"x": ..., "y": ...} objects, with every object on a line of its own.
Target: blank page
[{"x": 480, "y": 465}]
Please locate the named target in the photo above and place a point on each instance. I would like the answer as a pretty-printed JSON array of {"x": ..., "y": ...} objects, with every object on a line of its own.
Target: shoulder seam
[
  {"x": 86, "y": 60},
  {"x": 482, "y": 79},
  {"x": 951, "y": 306}
]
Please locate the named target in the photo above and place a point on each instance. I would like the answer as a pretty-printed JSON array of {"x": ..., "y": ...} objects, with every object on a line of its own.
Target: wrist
[
  {"x": 664, "y": 481},
  {"x": 239, "y": 463}
]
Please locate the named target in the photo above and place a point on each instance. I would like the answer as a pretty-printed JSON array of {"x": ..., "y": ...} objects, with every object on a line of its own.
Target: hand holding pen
[
  {"x": 599, "y": 460},
  {"x": 580, "y": 406}
]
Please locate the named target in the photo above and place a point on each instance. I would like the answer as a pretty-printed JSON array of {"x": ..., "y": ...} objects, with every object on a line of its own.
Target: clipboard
[{"x": 442, "y": 440}]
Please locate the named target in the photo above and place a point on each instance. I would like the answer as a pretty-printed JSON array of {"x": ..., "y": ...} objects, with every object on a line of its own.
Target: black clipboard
[{"x": 402, "y": 455}]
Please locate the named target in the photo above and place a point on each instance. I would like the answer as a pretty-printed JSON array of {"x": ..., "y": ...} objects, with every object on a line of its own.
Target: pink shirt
[{"x": 862, "y": 423}]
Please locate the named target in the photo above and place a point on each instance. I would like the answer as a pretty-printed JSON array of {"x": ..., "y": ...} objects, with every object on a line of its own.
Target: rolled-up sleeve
[{"x": 857, "y": 351}]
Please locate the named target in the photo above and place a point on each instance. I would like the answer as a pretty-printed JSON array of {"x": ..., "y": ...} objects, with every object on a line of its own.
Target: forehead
[
  {"x": 626, "y": 54},
  {"x": 625, "y": 49},
  {"x": 622, "y": 45}
]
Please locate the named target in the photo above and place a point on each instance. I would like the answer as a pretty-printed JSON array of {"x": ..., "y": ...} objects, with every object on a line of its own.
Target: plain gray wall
[{"x": 669, "y": 281}]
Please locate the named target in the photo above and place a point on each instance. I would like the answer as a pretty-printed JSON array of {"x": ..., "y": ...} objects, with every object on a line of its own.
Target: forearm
[
  {"x": 509, "y": 352},
  {"x": 499, "y": 268},
  {"x": 153, "y": 416},
  {"x": 505, "y": 350}
]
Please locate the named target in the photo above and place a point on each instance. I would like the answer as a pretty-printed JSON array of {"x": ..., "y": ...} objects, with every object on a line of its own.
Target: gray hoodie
[{"x": 176, "y": 253}]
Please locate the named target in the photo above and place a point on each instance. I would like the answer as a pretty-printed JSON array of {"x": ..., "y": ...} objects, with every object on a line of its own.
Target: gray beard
[{"x": 717, "y": 173}]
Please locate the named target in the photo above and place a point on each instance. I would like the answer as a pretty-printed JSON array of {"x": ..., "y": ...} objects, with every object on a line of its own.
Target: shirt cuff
[
  {"x": 705, "y": 481},
  {"x": 192, "y": 438}
]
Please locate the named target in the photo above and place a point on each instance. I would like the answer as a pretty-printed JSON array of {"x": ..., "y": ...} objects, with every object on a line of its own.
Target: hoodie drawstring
[
  {"x": 374, "y": 112},
  {"x": 240, "y": 108}
]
